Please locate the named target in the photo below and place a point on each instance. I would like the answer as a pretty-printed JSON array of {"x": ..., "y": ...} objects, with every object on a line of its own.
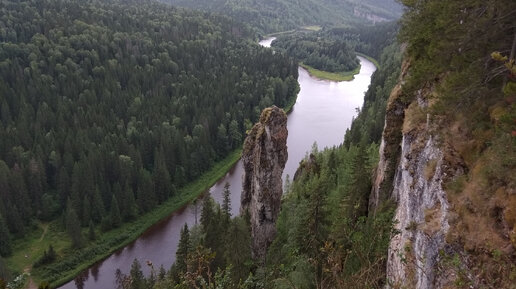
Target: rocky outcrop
[
  {"x": 264, "y": 157},
  {"x": 414, "y": 165},
  {"x": 389, "y": 147},
  {"x": 422, "y": 214}
]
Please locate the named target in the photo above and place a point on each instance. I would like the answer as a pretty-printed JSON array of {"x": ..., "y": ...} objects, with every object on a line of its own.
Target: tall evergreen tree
[
  {"x": 131, "y": 207},
  {"x": 116, "y": 220},
  {"x": 91, "y": 231},
  {"x": 182, "y": 250},
  {"x": 238, "y": 248},
  {"x": 226, "y": 204},
  {"x": 137, "y": 278},
  {"x": 161, "y": 177},
  {"x": 86, "y": 211},
  {"x": 97, "y": 208},
  {"x": 5, "y": 239},
  {"x": 73, "y": 226},
  {"x": 146, "y": 198},
  {"x": 207, "y": 212},
  {"x": 5, "y": 274}
]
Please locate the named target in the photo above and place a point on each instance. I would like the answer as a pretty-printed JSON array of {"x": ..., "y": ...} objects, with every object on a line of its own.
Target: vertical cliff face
[
  {"x": 264, "y": 158},
  {"x": 414, "y": 165},
  {"x": 389, "y": 147},
  {"x": 422, "y": 213}
]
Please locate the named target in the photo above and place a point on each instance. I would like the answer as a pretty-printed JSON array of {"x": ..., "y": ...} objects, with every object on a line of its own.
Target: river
[{"x": 322, "y": 113}]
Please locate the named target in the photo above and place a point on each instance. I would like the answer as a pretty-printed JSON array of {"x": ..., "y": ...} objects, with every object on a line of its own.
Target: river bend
[{"x": 322, "y": 113}]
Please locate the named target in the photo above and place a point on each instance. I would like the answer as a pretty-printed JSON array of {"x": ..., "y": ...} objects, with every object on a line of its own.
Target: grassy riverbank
[
  {"x": 338, "y": 76},
  {"x": 310, "y": 28},
  {"x": 71, "y": 262},
  {"x": 374, "y": 61},
  {"x": 333, "y": 76}
]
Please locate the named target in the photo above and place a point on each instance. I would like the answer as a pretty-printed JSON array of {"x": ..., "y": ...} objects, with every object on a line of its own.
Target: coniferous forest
[
  {"x": 109, "y": 107},
  {"x": 324, "y": 238},
  {"x": 113, "y": 113},
  {"x": 271, "y": 16},
  {"x": 318, "y": 52}
]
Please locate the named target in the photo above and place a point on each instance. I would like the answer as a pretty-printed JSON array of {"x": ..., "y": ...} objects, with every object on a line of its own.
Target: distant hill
[{"x": 279, "y": 15}]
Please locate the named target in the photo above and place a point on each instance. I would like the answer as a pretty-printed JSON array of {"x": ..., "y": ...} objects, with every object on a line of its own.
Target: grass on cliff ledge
[{"x": 71, "y": 262}]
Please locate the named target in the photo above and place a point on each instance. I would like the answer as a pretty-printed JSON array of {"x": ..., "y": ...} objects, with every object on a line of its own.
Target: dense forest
[
  {"x": 325, "y": 238},
  {"x": 109, "y": 107},
  {"x": 271, "y": 16},
  {"x": 322, "y": 53},
  {"x": 333, "y": 49},
  {"x": 367, "y": 39}
]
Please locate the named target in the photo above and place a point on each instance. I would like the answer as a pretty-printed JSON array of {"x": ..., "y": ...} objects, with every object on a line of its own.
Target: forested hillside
[
  {"x": 324, "y": 237},
  {"x": 109, "y": 107},
  {"x": 318, "y": 52},
  {"x": 270, "y": 16},
  {"x": 459, "y": 91},
  {"x": 333, "y": 49}
]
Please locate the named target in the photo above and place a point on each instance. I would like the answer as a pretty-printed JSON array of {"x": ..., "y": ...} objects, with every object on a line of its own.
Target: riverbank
[
  {"x": 72, "y": 262},
  {"x": 333, "y": 76},
  {"x": 374, "y": 61},
  {"x": 309, "y": 28}
]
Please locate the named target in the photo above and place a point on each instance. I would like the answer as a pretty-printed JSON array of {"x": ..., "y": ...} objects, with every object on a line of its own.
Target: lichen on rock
[{"x": 264, "y": 158}]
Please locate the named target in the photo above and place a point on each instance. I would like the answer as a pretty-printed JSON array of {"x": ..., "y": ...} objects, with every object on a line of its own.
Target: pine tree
[
  {"x": 116, "y": 220},
  {"x": 5, "y": 239},
  {"x": 73, "y": 226}
]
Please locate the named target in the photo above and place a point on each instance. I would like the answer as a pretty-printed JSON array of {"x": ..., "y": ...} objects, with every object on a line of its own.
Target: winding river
[{"x": 322, "y": 113}]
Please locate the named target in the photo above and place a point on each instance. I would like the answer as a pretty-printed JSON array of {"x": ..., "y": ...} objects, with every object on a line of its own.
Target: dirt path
[
  {"x": 45, "y": 229},
  {"x": 30, "y": 284}
]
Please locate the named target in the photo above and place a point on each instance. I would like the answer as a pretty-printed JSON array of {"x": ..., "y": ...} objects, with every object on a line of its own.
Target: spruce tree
[
  {"x": 238, "y": 248},
  {"x": 132, "y": 208},
  {"x": 73, "y": 226},
  {"x": 91, "y": 232},
  {"x": 226, "y": 203},
  {"x": 137, "y": 278},
  {"x": 86, "y": 211},
  {"x": 116, "y": 220},
  {"x": 97, "y": 208},
  {"x": 161, "y": 177},
  {"x": 183, "y": 249},
  {"x": 207, "y": 213}
]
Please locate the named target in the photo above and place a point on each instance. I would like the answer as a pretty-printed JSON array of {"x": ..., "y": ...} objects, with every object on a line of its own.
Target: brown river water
[{"x": 322, "y": 113}]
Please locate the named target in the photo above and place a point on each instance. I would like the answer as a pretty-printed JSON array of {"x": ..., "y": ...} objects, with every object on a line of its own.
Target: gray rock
[{"x": 264, "y": 157}]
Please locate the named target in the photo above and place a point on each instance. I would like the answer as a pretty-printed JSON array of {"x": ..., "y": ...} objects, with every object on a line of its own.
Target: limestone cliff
[
  {"x": 264, "y": 157},
  {"x": 411, "y": 171},
  {"x": 450, "y": 228}
]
